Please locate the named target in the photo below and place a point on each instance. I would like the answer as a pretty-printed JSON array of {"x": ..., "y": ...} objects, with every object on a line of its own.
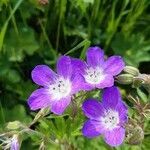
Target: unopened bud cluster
[
  {"x": 131, "y": 75},
  {"x": 128, "y": 76},
  {"x": 134, "y": 134}
]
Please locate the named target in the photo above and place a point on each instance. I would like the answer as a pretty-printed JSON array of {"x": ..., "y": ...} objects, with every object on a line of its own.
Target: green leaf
[
  {"x": 18, "y": 45},
  {"x": 16, "y": 113},
  {"x": 85, "y": 44},
  {"x": 2, "y": 34},
  {"x": 134, "y": 49}
]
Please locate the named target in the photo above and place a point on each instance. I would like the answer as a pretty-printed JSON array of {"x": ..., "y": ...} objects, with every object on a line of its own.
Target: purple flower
[
  {"x": 11, "y": 143},
  {"x": 98, "y": 73},
  {"x": 106, "y": 118},
  {"x": 57, "y": 89},
  {"x": 14, "y": 143}
]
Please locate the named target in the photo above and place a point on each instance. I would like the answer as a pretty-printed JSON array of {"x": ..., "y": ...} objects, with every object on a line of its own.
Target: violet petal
[
  {"x": 95, "y": 56},
  {"x": 92, "y": 128},
  {"x": 78, "y": 65},
  {"x": 59, "y": 106},
  {"x": 92, "y": 109},
  {"x": 108, "y": 81},
  {"x": 39, "y": 99},
  {"x": 114, "y": 65},
  {"x": 115, "y": 137},
  {"x": 123, "y": 111},
  {"x": 64, "y": 67},
  {"x": 43, "y": 75},
  {"x": 110, "y": 97}
]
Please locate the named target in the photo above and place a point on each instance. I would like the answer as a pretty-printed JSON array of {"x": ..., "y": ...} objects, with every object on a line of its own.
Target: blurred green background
[{"x": 32, "y": 33}]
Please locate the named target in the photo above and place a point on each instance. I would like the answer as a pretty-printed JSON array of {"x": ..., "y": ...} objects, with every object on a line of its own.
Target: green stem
[
  {"x": 14, "y": 22},
  {"x": 85, "y": 44},
  {"x": 4, "y": 28},
  {"x": 47, "y": 40}
]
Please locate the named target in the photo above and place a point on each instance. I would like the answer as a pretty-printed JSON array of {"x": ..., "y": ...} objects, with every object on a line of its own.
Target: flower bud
[
  {"x": 43, "y": 112},
  {"x": 14, "y": 125},
  {"x": 134, "y": 135},
  {"x": 142, "y": 79},
  {"x": 125, "y": 78},
  {"x": 131, "y": 70}
]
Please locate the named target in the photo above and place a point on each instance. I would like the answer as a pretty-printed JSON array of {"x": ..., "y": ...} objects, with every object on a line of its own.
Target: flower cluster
[{"x": 73, "y": 75}]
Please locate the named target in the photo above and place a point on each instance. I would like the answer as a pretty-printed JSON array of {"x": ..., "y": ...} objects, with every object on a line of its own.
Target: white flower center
[
  {"x": 60, "y": 89},
  {"x": 94, "y": 75},
  {"x": 110, "y": 120}
]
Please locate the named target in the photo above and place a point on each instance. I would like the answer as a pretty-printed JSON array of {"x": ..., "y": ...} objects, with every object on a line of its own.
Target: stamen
[
  {"x": 110, "y": 120},
  {"x": 60, "y": 89},
  {"x": 94, "y": 75}
]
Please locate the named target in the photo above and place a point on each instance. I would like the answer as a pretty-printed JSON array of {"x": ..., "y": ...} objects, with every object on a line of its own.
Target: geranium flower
[
  {"x": 106, "y": 118},
  {"x": 57, "y": 89},
  {"x": 98, "y": 73},
  {"x": 11, "y": 143}
]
